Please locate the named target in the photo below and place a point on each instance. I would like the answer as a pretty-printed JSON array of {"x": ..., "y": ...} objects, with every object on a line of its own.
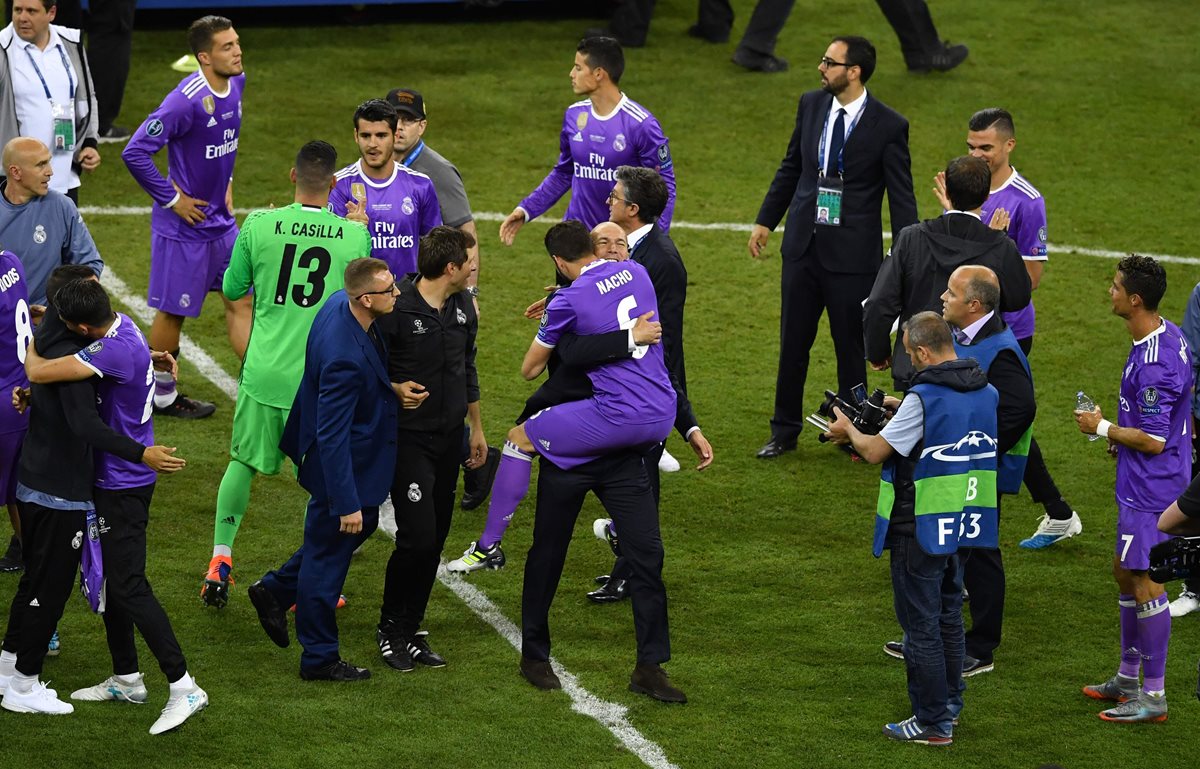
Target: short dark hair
[
  {"x": 929, "y": 330},
  {"x": 442, "y": 246},
  {"x": 64, "y": 274},
  {"x": 83, "y": 301},
  {"x": 986, "y": 291},
  {"x": 1145, "y": 277},
  {"x": 569, "y": 240},
  {"x": 645, "y": 188},
  {"x": 48, "y": 4},
  {"x": 992, "y": 117},
  {"x": 375, "y": 110},
  {"x": 859, "y": 53},
  {"x": 360, "y": 272},
  {"x": 604, "y": 53},
  {"x": 315, "y": 165},
  {"x": 200, "y": 34},
  {"x": 968, "y": 182}
]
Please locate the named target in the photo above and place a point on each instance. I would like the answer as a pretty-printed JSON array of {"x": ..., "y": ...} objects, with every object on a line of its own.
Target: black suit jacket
[
  {"x": 1017, "y": 406},
  {"x": 876, "y": 159}
]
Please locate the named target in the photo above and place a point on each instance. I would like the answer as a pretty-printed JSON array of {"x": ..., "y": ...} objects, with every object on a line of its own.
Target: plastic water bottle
[{"x": 1084, "y": 402}]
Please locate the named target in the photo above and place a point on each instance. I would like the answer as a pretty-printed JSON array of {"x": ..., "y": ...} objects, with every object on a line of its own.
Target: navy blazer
[
  {"x": 341, "y": 432},
  {"x": 876, "y": 158}
]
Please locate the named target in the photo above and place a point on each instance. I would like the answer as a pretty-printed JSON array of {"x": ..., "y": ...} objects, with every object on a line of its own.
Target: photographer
[{"x": 938, "y": 493}]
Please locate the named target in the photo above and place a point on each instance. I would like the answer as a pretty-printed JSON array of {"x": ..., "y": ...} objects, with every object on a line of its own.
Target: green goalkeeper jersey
[{"x": 294, "y": 257}]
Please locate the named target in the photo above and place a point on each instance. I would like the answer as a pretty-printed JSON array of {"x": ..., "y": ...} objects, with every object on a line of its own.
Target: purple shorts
[
  {"x": 10, "y": 460},
  {"x": 572, "y": 434},
  {"x": 182, "y": 272},
  {"x": 1137, "y": 532}
]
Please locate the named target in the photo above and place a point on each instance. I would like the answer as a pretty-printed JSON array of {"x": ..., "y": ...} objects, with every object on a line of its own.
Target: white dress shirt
[
  {"x": 33, "y": 109},
  {"x": 853, "y": 110}
]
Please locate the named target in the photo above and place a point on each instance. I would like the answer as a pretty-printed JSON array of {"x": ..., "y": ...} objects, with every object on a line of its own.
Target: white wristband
[{"x": 1102, "y": 428}]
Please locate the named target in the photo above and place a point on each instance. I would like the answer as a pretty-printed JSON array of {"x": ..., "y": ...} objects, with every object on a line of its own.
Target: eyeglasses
[
  {"x": 392, "y": 289},
  {"x": 827, "y": 62},
  {"x": 409, "y": 120},
  {"x": 612, "y": 198}
]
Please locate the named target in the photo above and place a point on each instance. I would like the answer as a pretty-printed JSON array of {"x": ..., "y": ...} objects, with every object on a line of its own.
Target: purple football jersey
[
  {"x": 400, "y": 211},
  {"x": 590, "y": 149},
  {"x": 16, "y": 331},
  {"x": 1154, "y": 399},
  {"x": 1027, "y": 227},
  {"x": 125, "y": 396},
  {"x": 609, "y": 296},
  {"x": 200, "y": 129}
]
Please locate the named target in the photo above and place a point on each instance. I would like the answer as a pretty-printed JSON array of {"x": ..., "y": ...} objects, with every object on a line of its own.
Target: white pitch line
[
  {"x": 610, "y": 715},
  {"x": 494, "y": 216}
]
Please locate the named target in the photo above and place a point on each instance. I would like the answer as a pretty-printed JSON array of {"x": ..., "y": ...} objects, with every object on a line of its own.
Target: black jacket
[
  {"x": 914, "y": 278},
  {"x": 961, "y": 375},
  {"x": 1017, "y": 406},
  {"x": 435, "y": 350},
  {"x": 876, "y": 159},
  {"x": 64, "y": 426}
]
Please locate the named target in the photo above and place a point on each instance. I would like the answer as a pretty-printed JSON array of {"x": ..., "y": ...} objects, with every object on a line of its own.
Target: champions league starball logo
[{"x": 973, "y": 445}]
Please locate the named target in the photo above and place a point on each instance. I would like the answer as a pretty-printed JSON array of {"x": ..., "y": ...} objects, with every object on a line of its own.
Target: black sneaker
[
  {"x": 419, "y": 651},
  {"x": 112, "y": 134},
  {"x": 394, "y": 648},
  {"x": 336, "y": 671},
  {"x": 477, "y": 483},
  {"x": 14, "y": 559},
  {"x": 186, "y": 408},
  {"x": 943, "y": 59}
]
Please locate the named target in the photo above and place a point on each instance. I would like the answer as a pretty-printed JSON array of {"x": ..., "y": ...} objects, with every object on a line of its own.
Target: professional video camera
[
  {"x": 1177, "y": 558},
  {"x": 866, "y": 414}
]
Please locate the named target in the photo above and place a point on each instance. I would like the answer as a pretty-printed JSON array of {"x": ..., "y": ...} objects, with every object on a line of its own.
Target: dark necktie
[{"x": 835, "y": 142}]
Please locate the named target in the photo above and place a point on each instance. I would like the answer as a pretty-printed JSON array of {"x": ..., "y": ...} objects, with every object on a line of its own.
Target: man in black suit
[
  {"x": 846, "y": 150},
  {"x": 924, "y": 255}
]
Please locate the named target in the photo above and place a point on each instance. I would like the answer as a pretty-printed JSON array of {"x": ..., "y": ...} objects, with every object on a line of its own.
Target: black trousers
[
  {"x": 123, "y": 515},
  {"x": 621, "y": 568},
  {"x": 110, "y": 47},
  {"x": 983, "y": 577},
  {"x": 622, "y": 484},
  {"x": 423, "y": 496},
  {"x": 766, "y": 22},
  {"x": 51, "y": 541},
  {"x": 807, "y": 290},
  {"x": 714, "y": 17},
  {"x": 914, "y": 26}
]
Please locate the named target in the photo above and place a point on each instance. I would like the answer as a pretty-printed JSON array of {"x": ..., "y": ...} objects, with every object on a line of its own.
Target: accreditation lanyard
[
  {"x": 842, "y": 152},
  {"x": 416, "y": 153},
  {"x": 63, "y": 114}
]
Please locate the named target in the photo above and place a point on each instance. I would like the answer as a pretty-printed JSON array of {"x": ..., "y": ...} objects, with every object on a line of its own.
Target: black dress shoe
[
  {"x": 540, "y": 674},
  {"x": 759, "y": 63},
  {"x": 336, "y": 671},
  {"x": 776, "y": 447},
  {"x": 270, "y": 614},
  {"x": 708, "y": 35},
  {"x": 943, "y": 59},
  {"x": 13, "y": 560},
  {"x": 602, "y": 579},
  {"x": 477, "y": 483},
  {"x": 653, "y": 681},
  {"x": 610, "y": 592}
]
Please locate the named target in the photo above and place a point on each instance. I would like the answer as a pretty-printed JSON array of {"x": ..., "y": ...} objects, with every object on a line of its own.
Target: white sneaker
[
  {"x": 600, "y": 528},
  {"x": 668, "y": 463},
  {"x": 112, "y": 689},
  {"x": 1185, "y": 604},
  {"x": 4, "y": 682},
  {"x": 1050, "y": 531},
  {"x": 39, "y": 699},
  {"x": 180, "y": 707}
]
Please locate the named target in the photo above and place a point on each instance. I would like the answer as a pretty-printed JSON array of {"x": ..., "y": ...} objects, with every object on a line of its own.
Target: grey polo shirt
[{"x": 447, "y": 183}]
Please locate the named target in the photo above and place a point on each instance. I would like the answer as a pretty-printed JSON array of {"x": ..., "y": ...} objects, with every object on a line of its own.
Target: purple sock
[
  {"x": 1154, "y": 631},
  {"x": 1131, "y": 658},
  {"x": 164, "y": 389},
  {"x": 509, "y": 488}
]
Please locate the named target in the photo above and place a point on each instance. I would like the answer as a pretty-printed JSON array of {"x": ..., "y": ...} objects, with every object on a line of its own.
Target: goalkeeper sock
[{"x": 233, "y": 497}]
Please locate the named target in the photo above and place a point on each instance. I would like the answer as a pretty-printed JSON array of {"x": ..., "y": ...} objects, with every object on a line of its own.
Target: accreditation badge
[
  {"x": 829, "y": 201},
  {"x": 64, "y": 126}
]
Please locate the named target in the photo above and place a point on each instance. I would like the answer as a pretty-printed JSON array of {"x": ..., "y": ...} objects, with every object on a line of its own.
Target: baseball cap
[{"x": 408, "y": 101}]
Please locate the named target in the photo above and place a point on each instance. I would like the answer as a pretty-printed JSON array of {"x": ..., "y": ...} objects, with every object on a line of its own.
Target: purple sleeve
[
  {"x": 655, "y": 152},
  {"x": 559, "y": 319},
  {"x": 108, "y": 358},
  {"x": 1159, "y": 392},
  {"x": 170, "y": 120},
  {"x": 338, "y": 197},
  {"x": 1029, "y": 232},
  {"x": 557, "y": 182},
  {"x": 431, "y": 211}
]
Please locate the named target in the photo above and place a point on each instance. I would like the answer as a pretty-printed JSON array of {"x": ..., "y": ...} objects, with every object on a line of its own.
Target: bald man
[
  {"x": 609, "y": 242},
  {"x": 39, "y": 225}
]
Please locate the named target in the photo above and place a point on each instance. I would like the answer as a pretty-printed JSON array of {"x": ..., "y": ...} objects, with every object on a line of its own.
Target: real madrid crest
[
  {"x": 39, "y": 234},
  {"x": 414, "y": 492},
  {"x": 407, "y": 206}
]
